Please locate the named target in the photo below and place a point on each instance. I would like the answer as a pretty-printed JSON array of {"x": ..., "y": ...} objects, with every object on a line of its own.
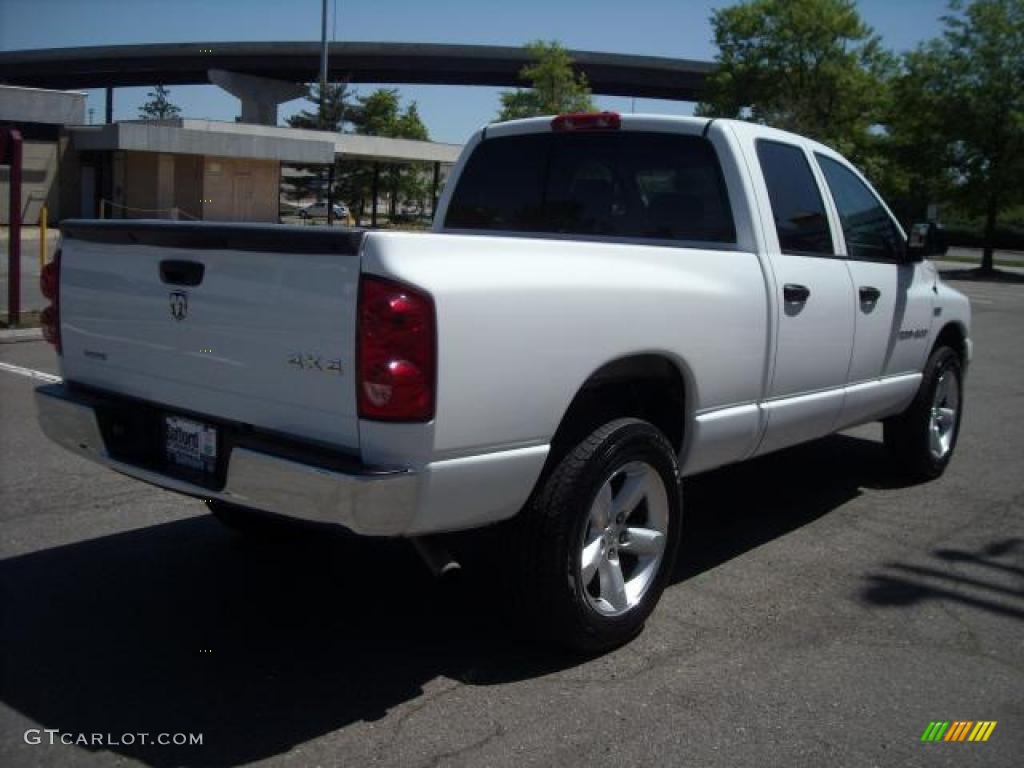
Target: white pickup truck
[{"x": 605, "y": 305}]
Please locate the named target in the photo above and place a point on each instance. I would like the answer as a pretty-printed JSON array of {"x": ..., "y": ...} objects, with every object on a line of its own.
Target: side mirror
[{"x": 926, "y": 239}]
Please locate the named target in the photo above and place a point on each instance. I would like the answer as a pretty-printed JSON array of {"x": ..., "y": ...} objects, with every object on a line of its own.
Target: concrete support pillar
[
  {"x": 165, "y": 186},
  {"x": 110, "y": 106},
  {"x": 259, "y": 95}
]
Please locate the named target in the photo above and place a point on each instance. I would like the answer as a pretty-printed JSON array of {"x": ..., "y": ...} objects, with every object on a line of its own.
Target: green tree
[
  {"x": 381, "y": 115},
  {"x": 958, "y": 115},
  {"x": 808, "y": 66},
  {"x": 336, "y": 111},
  {"x": 378, "y": 113},
  {"x": 333, "y": 115},
  {"x": 159, "y": 105},
  {"x": 554, "y": 86}
]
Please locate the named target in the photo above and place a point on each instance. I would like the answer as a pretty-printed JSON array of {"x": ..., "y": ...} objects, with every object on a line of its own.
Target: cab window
[
  {"x": 868, "y": 229},
  {"x": 797, "y": 207}
]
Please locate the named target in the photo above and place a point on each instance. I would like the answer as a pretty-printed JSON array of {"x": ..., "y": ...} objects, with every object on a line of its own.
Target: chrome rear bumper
[{"x": 367, "y": 500}]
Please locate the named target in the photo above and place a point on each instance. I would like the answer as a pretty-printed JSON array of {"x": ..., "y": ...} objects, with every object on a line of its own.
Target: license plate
[{"x": 190, "y": 444}]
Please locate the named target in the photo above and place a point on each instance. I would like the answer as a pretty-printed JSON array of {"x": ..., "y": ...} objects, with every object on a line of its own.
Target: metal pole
[
  {"x": 330, "y": 195},
  {"x": 43, "y": 215},
  {"x": 437, "y": 182},
  {"x": 376, "y": 188},
  {"x": 323, "y": 107},
  {"x": 14, "y": 147},
  {"x": 110, "y": 105},
  {"x": 323, "y": 62}
]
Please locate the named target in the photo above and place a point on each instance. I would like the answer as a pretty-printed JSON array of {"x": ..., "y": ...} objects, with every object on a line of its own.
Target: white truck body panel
[
  {"x": 552, "y": 315},
  {"x": 231, "y": 354},
  {"x": 522, "y": 322}
]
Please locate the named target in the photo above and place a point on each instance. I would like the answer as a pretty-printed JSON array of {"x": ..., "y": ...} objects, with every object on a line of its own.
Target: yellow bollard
[{"x": 42, "y": 237}]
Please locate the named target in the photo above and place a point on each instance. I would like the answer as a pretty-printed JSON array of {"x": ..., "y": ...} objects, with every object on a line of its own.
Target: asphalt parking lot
[{"x": 823, "y": 613}]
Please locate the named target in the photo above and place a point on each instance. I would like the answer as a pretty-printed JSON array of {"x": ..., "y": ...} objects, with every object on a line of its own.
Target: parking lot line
[{"x": 49, "y": 378}]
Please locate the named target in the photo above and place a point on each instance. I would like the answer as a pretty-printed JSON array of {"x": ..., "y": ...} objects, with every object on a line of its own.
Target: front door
[{"x": 893, "y": 301}]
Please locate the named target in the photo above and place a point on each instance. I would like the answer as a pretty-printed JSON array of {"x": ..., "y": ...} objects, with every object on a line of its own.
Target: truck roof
[
  {"x": 649, "y": 122},
  {"x": 629, "y": 122}
]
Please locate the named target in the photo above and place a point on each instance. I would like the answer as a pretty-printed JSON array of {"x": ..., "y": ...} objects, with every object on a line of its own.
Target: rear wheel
[
  {"x": 923, "y": 437},
  {"x": 596, "y": 544}
]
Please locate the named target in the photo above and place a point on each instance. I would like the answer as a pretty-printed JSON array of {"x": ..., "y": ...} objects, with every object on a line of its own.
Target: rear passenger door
[{"x": 814, "y": 299}]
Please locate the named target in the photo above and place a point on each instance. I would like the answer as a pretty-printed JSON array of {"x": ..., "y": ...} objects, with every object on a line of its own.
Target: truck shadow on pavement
[
  {"x": 185, "y": 627},
  {"x": 732, "y": 510},
  {"x": 989, "y": 579}
]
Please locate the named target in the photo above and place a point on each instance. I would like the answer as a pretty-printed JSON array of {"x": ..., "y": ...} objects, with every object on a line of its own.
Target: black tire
[
  {"x": 547, "y": 537},
  {"x": 908, "y": 436}
]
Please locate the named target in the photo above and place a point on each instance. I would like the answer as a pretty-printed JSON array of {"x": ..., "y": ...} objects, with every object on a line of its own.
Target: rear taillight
[
  {"x": 587, "y": 121},
  {"x": 49, "y": 285},
  {"x": 396, "y": 356}
]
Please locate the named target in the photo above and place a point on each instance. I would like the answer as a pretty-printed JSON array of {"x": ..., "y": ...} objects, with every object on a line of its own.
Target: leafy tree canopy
[
  {"x": 378, "y": 113},
  {"x": 809, "y": 66},
  {"x": 554, "y": 86},
  {"x": 336, "y": 109},
  {"x": 957, "y": 121}
]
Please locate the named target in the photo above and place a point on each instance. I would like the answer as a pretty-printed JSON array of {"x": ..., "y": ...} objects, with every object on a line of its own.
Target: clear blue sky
[{"x": 677, "y": 28}]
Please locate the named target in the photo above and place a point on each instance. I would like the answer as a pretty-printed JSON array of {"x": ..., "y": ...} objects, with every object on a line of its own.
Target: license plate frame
[{"x": 190, "y": 445}]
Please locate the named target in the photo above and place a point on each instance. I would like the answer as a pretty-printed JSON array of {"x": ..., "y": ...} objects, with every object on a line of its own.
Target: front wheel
[
  {"x": 596, "y": 544},
  {"x": 923, "y": 437}
]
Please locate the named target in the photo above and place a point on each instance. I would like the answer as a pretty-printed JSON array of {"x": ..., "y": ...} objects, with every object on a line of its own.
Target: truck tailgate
[{"x": 247, "y": 323}]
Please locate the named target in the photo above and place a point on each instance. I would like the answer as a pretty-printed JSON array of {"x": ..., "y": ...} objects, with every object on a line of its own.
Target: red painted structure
[{"x": 11, "y": 154}]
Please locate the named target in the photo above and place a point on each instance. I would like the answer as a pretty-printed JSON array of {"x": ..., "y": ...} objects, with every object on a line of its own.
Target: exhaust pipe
[{"x": 436, "y": 557}]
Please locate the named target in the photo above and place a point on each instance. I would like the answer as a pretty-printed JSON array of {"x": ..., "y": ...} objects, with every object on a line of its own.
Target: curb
[{"x": 21, "y": 334}]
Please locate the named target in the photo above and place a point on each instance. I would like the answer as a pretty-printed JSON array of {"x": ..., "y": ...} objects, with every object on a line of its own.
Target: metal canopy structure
[{"x": 412, "y": 63}]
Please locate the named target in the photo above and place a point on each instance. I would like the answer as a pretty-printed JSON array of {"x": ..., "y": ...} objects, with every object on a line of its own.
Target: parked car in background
[
  {"x": 606, "y": 305},
  {"x": 319, "y": 211}
]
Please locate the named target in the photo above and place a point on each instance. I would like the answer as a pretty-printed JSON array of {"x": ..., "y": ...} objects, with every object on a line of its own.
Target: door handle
[
  {"x": 175, "y": 272},
  {"x": 869, "y": 294},
  {"x": 795, "y": 294}
]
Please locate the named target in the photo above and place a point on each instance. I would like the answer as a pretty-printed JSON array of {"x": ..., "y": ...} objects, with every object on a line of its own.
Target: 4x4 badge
[{"x": 179, "y": 305}]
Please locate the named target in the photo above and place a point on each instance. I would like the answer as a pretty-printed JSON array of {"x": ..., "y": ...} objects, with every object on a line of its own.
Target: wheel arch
[
  {"x": 953, "y": 335},
  {"x": 653, "y": 386}
]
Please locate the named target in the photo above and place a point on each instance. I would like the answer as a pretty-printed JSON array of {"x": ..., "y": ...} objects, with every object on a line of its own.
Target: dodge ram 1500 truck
[{"x": 606, "y": 304}]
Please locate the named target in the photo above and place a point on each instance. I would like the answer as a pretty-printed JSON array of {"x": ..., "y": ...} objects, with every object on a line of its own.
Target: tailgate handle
[{"x": 182, "y": 272}]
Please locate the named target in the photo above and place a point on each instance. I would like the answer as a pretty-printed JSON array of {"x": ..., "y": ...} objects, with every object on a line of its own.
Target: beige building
[
  {"x": 181, "y": 169},
  {"x": 161, "y": 185},
  {"x": 39, "y": 116}
]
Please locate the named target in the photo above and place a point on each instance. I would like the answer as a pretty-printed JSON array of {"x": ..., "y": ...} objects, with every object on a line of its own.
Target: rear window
[{"x": 623, "y": 184}]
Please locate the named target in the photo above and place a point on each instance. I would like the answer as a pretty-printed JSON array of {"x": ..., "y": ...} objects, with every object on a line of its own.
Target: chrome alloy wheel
[
  {"x": 624, "y": 539},
  {"x": 942, "y": 424}
]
